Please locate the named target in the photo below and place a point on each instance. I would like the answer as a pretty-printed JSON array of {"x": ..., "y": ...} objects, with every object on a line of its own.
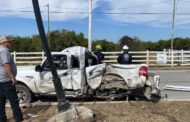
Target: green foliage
[
  {"x": 149, "y": 45},
  {"x": 61, "y": 39},
  {"x": 178, "y": 44},
  {"x": 106, "y": 46},
  {"x": 23, "y": 44},
  {"x": 134, "y": 43},
  {"x": 36, "y": 43},
  {"x": 125, "y": 40}
]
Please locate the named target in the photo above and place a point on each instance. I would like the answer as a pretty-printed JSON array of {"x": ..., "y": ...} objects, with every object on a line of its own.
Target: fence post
[
  {"x": 147, "y": 57},
  {"x": 164, "y": 50},
  {"x": 171, "y": 52},
  {"x": 14, "y": 56},
  {"x": 172, "y": 63},
  {"x": 169, "y": 55},
  {"x": 165, "y": 53},
  {"x": 182, "y": 56},
  {"x": 43, "y": 55}
]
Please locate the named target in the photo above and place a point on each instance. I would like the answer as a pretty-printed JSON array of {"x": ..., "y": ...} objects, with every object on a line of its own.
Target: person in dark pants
[
  {"x": 125, "y": 57},
  {"x": 7, "y": 81},
  {"x": 99, "y": 54}
]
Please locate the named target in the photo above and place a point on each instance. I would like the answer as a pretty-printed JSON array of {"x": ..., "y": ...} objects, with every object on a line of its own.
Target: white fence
[
  {"x": 27, "y": 58},
  {"x": 154, "y": 58}
]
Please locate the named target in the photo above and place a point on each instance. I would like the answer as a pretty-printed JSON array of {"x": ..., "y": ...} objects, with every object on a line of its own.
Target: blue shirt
[
  {"x": 100, "y": 56},
  {"x": 125, "y": 58}
]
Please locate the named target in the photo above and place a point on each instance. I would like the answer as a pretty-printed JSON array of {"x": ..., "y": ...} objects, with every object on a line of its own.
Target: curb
[{"x": 91, "y": 103}]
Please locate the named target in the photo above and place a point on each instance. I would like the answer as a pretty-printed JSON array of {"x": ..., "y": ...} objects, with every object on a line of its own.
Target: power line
[
  {"x": 97, "y": 12},
  {"x": 139, "y": 6},
  {"x": 7, "y": 11},
  {"x": 112, "y": 13},
  {"x": 130, "y": 7},
  {"x": 17, "y": 9},
  {"x": 185, "y": 1},
  {"x": 68, "y": 8},
  {"x": 144, "y": 13}
]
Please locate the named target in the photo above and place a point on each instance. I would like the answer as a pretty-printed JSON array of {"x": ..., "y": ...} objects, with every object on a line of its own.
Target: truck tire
[
  {"x": 24, "y": 94},
  {"x": 147, "y": 92}
]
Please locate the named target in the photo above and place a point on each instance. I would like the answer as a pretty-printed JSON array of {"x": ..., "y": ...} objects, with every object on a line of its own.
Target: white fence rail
[
  {"x": 26, "y": 58},
  {"x": 154, "y": 58}
]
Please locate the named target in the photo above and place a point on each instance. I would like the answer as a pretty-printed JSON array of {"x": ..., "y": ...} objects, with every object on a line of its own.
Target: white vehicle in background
[{"x": 81, "y": 76}]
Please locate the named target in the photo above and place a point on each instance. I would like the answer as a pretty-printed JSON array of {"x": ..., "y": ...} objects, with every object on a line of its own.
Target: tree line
[{"x": 61, "y": 39}]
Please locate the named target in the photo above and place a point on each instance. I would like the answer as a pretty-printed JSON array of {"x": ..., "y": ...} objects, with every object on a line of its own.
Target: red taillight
[{"x": 143, "y": 71}]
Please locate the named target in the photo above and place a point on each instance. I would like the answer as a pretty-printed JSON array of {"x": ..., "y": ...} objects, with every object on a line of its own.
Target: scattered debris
[
  {"x": 32, "y": 115},
  {"x": 73, "y": 114}
]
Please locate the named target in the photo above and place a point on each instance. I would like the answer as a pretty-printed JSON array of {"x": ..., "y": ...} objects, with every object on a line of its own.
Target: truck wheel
[
  {"x": 147, "y": 92},
  {"x": 23, "y": 93},
  {"x": 149, "y": 96}
]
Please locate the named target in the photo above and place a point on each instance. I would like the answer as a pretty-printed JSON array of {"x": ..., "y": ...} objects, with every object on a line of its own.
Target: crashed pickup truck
[{"x": 81, "y": 76}]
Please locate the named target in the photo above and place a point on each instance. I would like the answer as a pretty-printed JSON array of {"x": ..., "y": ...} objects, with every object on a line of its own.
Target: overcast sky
[{"x": 150, "y": 20}]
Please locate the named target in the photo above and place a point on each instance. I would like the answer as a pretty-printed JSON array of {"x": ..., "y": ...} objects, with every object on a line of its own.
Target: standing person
[
  {"x": 125, "y": 57},
  {"x": 99, "y": 54},
  {"x": 7, "y": 81}
]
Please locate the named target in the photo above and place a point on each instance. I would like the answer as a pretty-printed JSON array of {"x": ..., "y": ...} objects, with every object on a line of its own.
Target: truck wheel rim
[{"x": 21, "y": 96}]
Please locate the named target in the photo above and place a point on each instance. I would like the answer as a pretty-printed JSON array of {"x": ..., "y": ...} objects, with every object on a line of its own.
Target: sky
[{"x": 149, "y": 20}]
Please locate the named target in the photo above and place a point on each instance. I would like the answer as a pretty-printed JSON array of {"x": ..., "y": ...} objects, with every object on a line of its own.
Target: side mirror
[{"x": 38, "y": 68}]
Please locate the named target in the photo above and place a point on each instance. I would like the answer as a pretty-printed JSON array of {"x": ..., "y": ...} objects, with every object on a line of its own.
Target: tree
[
  {"x": 23, "y": 44},
  {"x": 125, "y": 40},
  {"x": 61, "y": 39},
  {"x": 106, "y": 45},
  {"x": 134, "y": 43}
]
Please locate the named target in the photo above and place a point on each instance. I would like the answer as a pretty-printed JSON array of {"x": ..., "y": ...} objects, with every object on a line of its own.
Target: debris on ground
[{"x": 163, "y": 111}]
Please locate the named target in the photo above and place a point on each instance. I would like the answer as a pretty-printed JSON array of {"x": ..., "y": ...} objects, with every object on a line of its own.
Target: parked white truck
[{"x": 81, "y": 76}]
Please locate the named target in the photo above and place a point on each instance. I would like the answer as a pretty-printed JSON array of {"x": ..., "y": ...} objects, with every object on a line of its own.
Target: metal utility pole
[
  {"x": 63, "y": 104},
  {"x": 48, "y": 27},
  {"x": 90, "y": 26},
  {"x": 173, "y": 28}
]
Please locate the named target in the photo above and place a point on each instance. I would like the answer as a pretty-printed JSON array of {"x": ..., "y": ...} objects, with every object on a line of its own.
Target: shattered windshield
[{"x": 60, "y": 62}]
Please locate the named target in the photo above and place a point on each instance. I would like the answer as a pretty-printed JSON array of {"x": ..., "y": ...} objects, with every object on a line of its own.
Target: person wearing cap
[
  {"x": 125, "y": 57},
  {"x": 8, "y": 72},
  {"x": 99, "y": 54}
]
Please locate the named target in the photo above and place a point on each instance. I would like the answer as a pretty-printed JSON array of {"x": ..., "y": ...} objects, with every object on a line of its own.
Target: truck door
[
  {"x": 76, "y": 73},
  {"x": 61, "y": 63},
  {"x": 94, "y": 75}
]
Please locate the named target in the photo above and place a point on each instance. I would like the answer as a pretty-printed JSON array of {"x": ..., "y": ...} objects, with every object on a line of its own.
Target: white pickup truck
[{"x": 81, "y": 76}]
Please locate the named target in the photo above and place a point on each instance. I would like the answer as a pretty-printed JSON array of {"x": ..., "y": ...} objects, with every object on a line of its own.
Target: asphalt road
[{"x": 177, "y": 78}]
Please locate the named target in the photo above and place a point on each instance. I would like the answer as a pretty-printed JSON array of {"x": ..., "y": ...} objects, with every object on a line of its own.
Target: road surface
[{"x": 175, "y": 77}]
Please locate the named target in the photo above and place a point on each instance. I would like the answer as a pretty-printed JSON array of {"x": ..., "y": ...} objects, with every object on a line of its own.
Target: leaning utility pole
[
  {"x": 90, "y": 26},
  {"x": 63, "y": 104},
  {"x": 173, "y": 25}
]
